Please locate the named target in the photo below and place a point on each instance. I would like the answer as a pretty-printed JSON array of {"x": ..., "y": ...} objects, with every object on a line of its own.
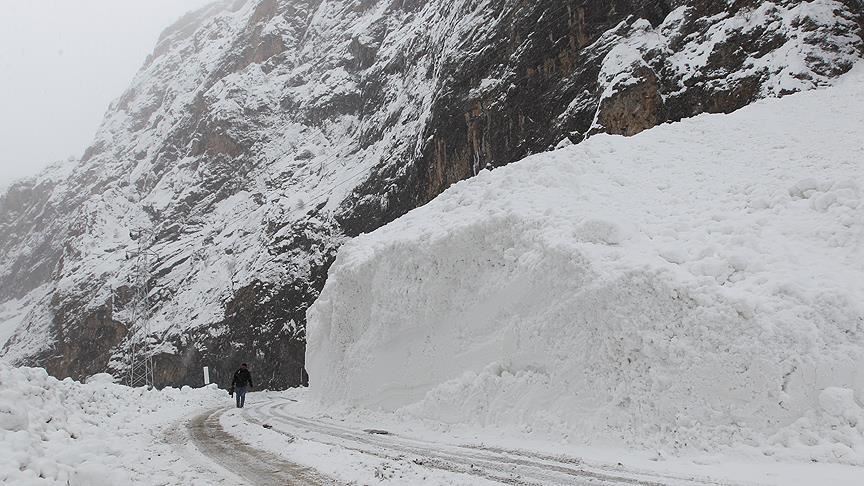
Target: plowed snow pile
[
  {"x": 68, "y": 433},
  {"x": 697, "y": 286}
]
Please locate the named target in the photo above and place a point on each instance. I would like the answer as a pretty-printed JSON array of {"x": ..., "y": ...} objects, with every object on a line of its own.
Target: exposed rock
[{"x": 632, "y": 107}]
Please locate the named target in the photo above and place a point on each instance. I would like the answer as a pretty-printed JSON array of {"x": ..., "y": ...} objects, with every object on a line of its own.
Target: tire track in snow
[
  {"x": 507, "y": 467},
  {"x": 257, "y": 467}
]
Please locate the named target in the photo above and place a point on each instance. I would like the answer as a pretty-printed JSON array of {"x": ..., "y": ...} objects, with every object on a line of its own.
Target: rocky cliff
[{"x": 260, "y": 134}]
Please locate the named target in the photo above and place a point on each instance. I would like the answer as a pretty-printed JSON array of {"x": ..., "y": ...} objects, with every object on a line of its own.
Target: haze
[{"x": 61, "y": 64}]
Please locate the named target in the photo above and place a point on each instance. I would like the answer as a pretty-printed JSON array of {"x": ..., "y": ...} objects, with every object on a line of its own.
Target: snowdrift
[
  {"x": 696, "y": 286},
  {"x": 94, "y": 434}
]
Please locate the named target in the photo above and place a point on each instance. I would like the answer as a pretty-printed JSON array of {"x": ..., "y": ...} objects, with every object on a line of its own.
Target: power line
[{"x": 138, "y": 352}]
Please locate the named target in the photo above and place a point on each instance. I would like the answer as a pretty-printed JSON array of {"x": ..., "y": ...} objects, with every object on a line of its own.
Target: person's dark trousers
[{"x": 240, "y": 393}]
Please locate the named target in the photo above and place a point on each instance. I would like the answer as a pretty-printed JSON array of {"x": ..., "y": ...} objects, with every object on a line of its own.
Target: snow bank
[
  {"x": 697, "y": 286},
  {"x": 68, "y": 433}
]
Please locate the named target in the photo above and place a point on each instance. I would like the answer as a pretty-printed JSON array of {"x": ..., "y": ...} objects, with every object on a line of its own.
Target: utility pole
[{"x": 139, "y": 355}]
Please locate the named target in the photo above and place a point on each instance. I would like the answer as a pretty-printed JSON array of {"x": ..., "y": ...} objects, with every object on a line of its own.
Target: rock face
[{"x": 261, "y": 134}]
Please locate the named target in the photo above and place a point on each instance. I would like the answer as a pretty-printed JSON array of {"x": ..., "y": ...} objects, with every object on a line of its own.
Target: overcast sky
[{"x": 61, "y": 63}]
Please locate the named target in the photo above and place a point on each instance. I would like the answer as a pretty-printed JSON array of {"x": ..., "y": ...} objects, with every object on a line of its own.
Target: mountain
[{"x": 261, "y": 135}]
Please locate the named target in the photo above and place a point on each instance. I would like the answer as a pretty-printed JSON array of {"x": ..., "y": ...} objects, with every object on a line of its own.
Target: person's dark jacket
[{"x": 242, "y": 378}]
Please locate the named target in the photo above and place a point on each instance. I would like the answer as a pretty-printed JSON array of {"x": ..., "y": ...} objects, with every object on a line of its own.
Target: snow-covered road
[
  {"x": 255, "y": 466},
  {"x": 446, "y": 463},
  {"x": 55, "y": 432}
]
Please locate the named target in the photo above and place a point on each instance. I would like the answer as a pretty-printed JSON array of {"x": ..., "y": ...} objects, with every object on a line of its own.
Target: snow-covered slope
[
  {"x": 698, "y": 285},
  {"x": 261, "y": 133}
]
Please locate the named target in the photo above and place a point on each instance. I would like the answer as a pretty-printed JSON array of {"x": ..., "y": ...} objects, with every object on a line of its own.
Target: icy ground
[{"x": 697, "y": 288}]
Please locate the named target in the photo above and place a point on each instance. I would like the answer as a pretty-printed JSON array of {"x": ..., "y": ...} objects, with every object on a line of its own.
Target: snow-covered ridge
[{"x": 697, "y": 286}]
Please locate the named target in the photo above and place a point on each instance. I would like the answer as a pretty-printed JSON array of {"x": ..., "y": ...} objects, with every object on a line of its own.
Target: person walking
[{"x": 241, "y": 383}]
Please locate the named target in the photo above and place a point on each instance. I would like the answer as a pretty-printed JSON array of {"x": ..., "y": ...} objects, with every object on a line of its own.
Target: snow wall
[{"x": 696, "y": 286}]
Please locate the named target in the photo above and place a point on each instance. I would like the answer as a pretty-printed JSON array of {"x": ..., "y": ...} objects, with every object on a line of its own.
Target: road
[
  {"x": 256, "y": 467},
  {"x": 508, "y": 467}
]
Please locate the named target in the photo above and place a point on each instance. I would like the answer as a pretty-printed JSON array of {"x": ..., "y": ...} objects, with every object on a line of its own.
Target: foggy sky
[{"x": 61, "y": 63}]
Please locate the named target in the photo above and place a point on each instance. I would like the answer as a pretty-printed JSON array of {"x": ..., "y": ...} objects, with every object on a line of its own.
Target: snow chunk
[
  {"x": 840, "y": 402},
  {"x": 101, "y": 378},
  {"x": 600, "y": 231},
  {"x": 61, "y": 432},
  {"x": 13, "y": 417}
]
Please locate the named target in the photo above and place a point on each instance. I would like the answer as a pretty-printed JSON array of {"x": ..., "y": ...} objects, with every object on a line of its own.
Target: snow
[
  {"x": 694, "y": 289},
  {"x": 100, "y": 433},
  {"x": 332, "y": 438},
  {"x": 13, "y": 313},
  {"x": 791, "y": 67},
  {"x": 626, "y": 56},
  {"x": 94, "y": 434},
  {"x": 335, "y": 460}
]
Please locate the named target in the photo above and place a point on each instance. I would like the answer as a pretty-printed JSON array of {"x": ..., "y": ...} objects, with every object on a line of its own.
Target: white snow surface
[
  {"x": 697, "y": 287},
  {"x": 93, "y": 434},
  {"x": 299, "y": 433}
]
